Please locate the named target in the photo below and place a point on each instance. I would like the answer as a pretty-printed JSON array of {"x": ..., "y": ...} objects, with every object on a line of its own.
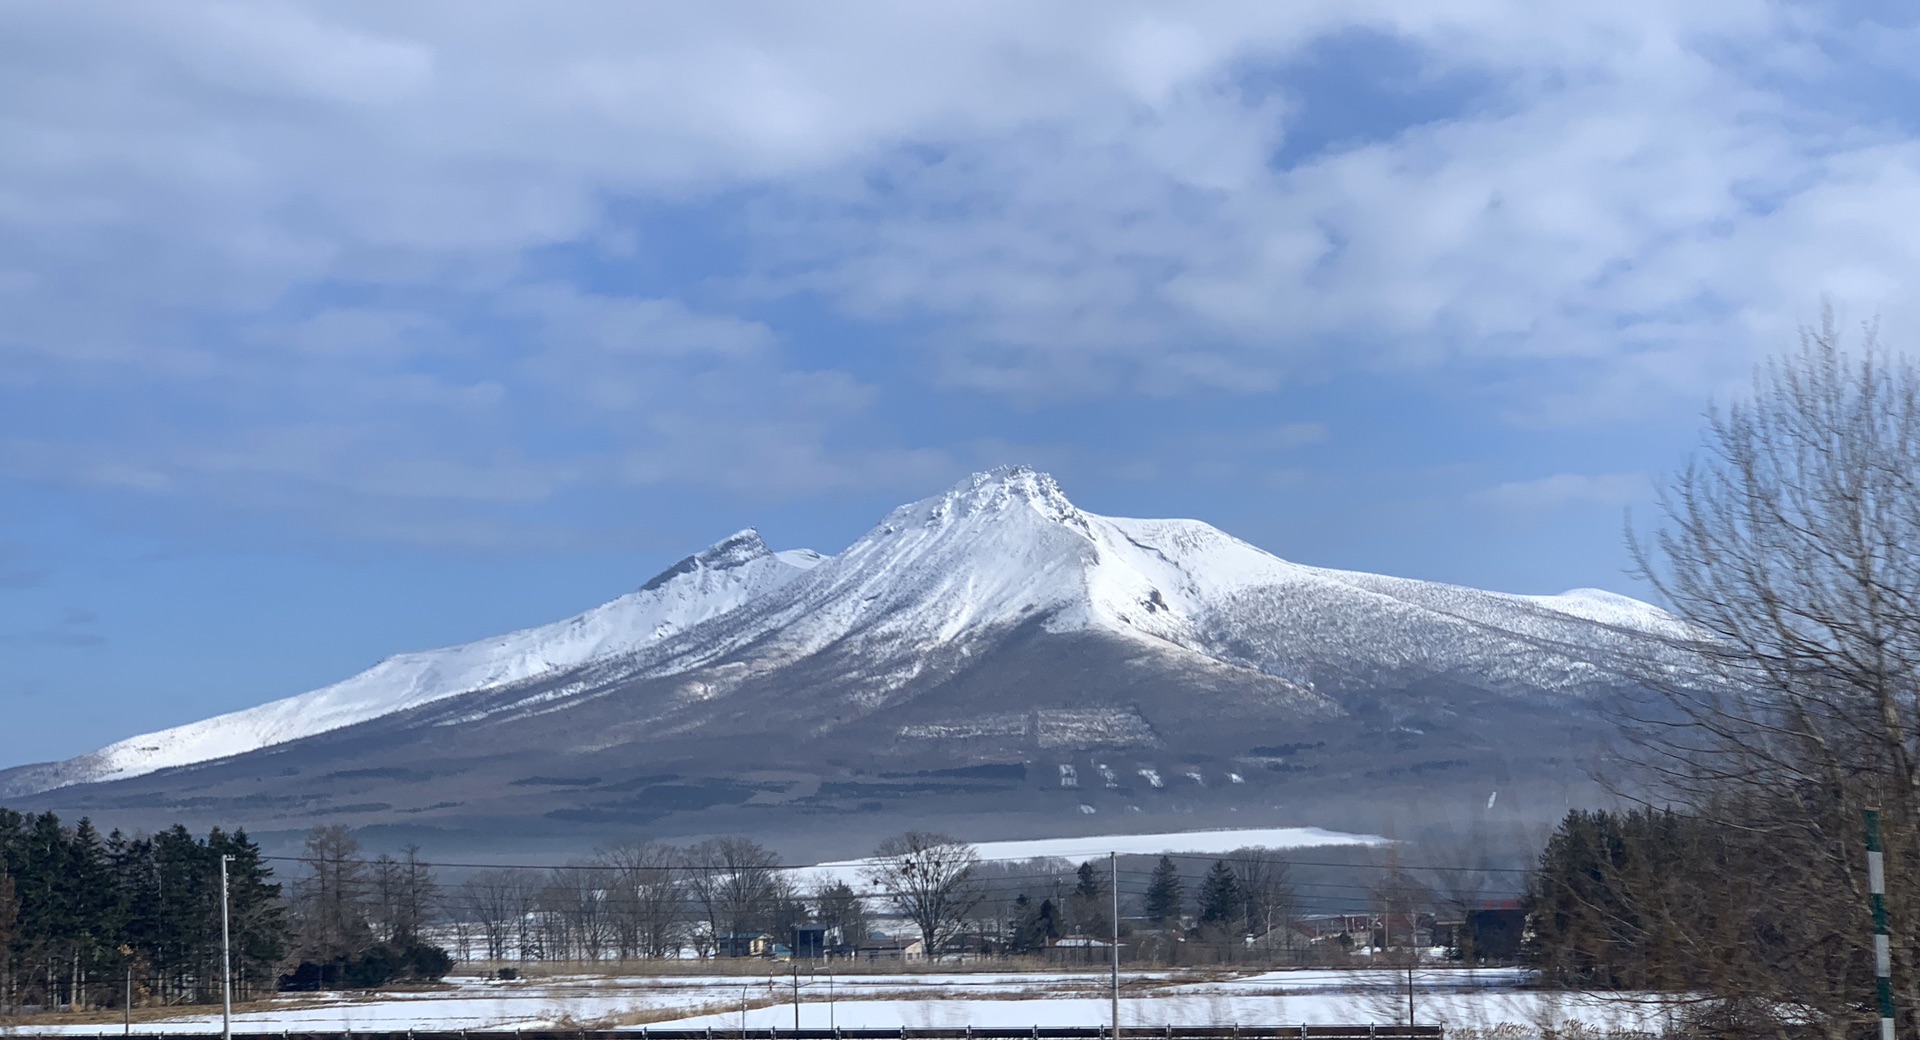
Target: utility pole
[
  {"x": 1113, "y": 866},
  {"x": 126, "y": 952},
  {"x": 793, "y": 959},
  {"x": 1411, "y": 954},
  {"x": 1882, "y": 945},
  {"x": 226, "y": 956}
]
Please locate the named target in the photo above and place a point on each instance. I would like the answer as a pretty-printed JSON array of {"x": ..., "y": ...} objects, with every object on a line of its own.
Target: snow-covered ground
[
  {"x": 1453, "y": 996},
  {"x": 1096, "y": 847}
]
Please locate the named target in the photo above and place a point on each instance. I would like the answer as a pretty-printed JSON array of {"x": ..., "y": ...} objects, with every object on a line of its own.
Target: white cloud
[
  {"x": 1564, "y": 491},
  {"x": 314, "y": 229}
]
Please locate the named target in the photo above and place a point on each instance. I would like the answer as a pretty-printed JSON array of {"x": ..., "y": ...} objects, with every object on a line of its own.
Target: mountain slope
[{"x": 727, "y": 574}]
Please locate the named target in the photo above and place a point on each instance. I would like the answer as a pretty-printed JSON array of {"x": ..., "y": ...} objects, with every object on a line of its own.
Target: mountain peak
[
  {"x": 742, "y": 546},
  {"x": 1002, "y": 488}
]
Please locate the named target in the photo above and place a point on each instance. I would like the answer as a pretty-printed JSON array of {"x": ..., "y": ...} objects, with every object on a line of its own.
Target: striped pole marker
[{"x": 1882, "y": 945}]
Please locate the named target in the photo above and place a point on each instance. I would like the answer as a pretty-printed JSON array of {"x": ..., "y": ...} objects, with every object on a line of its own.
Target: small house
[{"x": 881, "y": 948}]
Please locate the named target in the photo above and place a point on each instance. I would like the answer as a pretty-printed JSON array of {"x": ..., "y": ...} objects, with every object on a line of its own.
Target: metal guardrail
[{"x": 1237, "y": 1032}]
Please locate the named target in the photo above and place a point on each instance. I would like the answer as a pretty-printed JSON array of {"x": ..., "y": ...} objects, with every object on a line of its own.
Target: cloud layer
[{"x": 403, "y": 268}]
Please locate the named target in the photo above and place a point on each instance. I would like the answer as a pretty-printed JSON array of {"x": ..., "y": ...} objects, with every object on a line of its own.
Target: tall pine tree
[
  {"x": 259, "y": 920},
  {"x": 1087, "y": 906},
  {"x": 1220, "y": 901},
  {"x": 1164, "y": 903}
]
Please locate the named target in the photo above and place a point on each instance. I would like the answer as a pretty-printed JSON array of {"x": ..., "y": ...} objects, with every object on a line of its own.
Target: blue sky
[{"x": 333, "y": 330}]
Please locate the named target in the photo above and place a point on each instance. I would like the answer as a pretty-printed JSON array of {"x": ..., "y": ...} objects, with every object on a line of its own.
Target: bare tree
[
  {"x": 330, "y": 903},
  {"x": 648, "y": 898},
  {"x": 928, "y": 879},
  {"x": 1791, "y": 549},
  {"x": 1267, "y": 889},
  {"x": 735, "y": 885},
  {"x": 497, "y": 902},
  {"x": 577, "y": 906},
  {"x": 405, "y": 895}
]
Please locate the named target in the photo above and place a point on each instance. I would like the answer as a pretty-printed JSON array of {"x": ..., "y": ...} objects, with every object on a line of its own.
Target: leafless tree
[
  {"x": 1791, "y": 549},
  {"x": 498, "y": 902},
  {"x": 1267, "y": 888},
  {"x": 330, "y": 902},
  {"x": 735, "y": 885},
  {"x": 647, "y": 898},
  {"x": 577, "y": 912},
  {"x": 928, "y": 879},
  {"x": 405, "y": 895}
]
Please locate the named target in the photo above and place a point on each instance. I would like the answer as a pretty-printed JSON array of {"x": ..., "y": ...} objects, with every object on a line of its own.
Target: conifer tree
[
  {"x": 259, "y": 919},
  {"x": 1164, "y": 901},
  {"x": 1033, "y": 925},
  {"x": 839, "y": 906},
  {"x": 1089, "y": 886},
  {"x": 9, "y": 912},
  {"x": 1220, "y": 900},
  {"x": 1088, "y": 903},
  {"x": 83, "y": 910}
]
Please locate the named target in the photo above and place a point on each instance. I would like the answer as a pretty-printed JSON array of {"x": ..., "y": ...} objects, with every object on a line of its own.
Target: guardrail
[{"x": 1235, "y": 1032}]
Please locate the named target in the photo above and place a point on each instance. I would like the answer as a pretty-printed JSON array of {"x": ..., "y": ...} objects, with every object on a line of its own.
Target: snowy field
[
  {"x": 1456, "y": 997},
  {"x": 1082, "y": 849}
]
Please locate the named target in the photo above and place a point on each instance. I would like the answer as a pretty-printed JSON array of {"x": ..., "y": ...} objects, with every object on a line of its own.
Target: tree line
[{"x": 83, "y": 917}]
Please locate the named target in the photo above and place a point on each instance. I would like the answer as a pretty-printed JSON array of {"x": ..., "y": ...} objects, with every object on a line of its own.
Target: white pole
[
  {"x": 1113, "y": 865},
  {"x": 226, "y": 956}
]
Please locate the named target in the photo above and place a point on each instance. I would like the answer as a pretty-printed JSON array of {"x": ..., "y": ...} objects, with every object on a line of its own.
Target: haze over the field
[{"x": 340, "y": 330}]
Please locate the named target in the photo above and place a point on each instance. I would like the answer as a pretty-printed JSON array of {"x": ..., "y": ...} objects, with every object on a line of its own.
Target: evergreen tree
[
  {"x": 1033, "y": 925},
  {"x": 83, "y": 910},
  {"x": 259, "y": 919},
  {"x": 1164, "y": 903},
  {"x": 1087, "y": 906},
  {"x": 9, "y": 913},
  {"x": 1220, "y": 900},
  {"x": 93, "y": 927},
  {"x": 1089, "y": 886},
  {"x": 839, "y": 906}
]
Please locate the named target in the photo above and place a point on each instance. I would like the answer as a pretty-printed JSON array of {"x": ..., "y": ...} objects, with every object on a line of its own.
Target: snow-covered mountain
[
  {"x": 947, "y": 575},
  {"x": 989, "y": 618},
  {"x": 717, "y": 579}
]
